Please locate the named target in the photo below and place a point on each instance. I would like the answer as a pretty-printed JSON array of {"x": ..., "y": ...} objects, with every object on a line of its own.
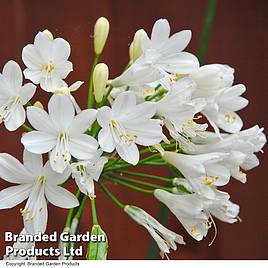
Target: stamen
[
  {"x": 229, "y": 118},
  {"x": 215, "y": 229}
]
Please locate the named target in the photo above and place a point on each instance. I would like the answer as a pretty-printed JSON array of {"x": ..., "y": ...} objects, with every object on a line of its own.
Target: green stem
[
  {"x": 112, "y": 197},
  {"x": 90, "y": 100},
  {"x": 94, "y": 211},
  {"x": 81, "y": 208},
  {"x": 143, "y": 183},
  {"x": 27, "y": 128},
  {"x": 71, "y": 212},
  {"x": 136, "y": 188},
  {"x": 206, "y": 30},
  {"x": 104, "y": 100},
  {"x": 149, "y": 176}
]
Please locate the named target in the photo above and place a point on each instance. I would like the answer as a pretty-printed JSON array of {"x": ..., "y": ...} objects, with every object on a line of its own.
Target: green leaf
[{"x": 98, "y": 249}]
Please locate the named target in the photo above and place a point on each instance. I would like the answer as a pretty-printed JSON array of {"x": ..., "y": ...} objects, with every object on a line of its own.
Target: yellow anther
[
  {"x": 210, "y": 180},
  {"x": 24, "y": 212}
]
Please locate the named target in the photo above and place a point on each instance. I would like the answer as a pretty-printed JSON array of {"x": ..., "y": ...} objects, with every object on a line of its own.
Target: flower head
[
  {"x": 13, "y": 95},
  {"x": 46, "y": 60},
  {"x": 36, "y": 182},
  {"x": 164, "y": 238},
  {"x": 161, "y": 55},
  {"x": 127, "y": 124},
  {"x": 60, "y": 132}
]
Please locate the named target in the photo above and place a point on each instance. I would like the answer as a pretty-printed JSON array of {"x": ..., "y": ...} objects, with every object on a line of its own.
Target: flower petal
[
  {"x": 83, "y": 147},
  {"x": 33, "y": 162},
  {"x": 106, "y": 140},
  {"x": 16, "y": 118},
  {"x": 14, "y": 195},
  {"x": 61, "y": 50},
  {"x": 61, "y": 111},
  {"x": 55, "y": 178},
  {"x": 40, "y": 120},
  {"x": 27, "y": 92},
  {"x": 60, "y": 197},
  {"x": 13, "y": 171},
  {"x": 82, "y": 122},
  {"x": 128, "y": 152},
  {"x": 38, "y": 142},
  {"x": 13, "y": 74},
  {"x": 161, "y": 31},
  {"x": 124, "y": 103},
  {"x": 104, "y": 116}
]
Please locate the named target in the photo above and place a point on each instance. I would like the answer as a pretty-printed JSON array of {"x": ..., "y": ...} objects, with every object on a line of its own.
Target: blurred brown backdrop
[{"x": 239, "y": 38}]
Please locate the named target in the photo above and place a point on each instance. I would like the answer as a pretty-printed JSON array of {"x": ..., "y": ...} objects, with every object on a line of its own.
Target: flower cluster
[{"x": 155, "y": 103}]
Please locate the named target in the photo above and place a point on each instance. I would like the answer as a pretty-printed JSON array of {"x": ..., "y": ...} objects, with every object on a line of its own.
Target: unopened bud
[
  {"x": 38, "y": 104},
  {"x": 100, "y": 78},
  {"x": 137, "y": 41},
  {"x": 101, "y": 31},
  {"x": 131, "y": 55},
  {"x": 49, "y": 34}
]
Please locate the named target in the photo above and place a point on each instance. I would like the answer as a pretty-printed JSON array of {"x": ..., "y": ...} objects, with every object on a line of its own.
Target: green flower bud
[
  {"x": 101, "y": 31},
  {"x": 100, "y": 78}
]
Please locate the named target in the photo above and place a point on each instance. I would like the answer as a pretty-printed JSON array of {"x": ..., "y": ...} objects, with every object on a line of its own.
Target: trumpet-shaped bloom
[
  {"x": 47, "y": 60},
  {"x": 221, "y": 109},
  {"x": 87, "y": 171},
  {"x": 161, "y": 55},
  {"x": 36, "y": 182},
  {"x": 242, "y": 147},
  {"x": 164, "y": 237},
  {"x": 177, "y": 110},
  {"x": 189, "y": 210},
  {"x": 203, "y": 171},
  {"x": 212, "y": 77},
  {"x": 60, "y": 132},
  {"x": 13, "y": 95},
  {"x": 127, "y": 124}
]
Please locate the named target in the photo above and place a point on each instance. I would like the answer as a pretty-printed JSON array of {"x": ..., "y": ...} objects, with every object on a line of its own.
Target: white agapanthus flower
[
  {"x": 161, "y": 55},
  {"x": 87, "y": 171},
  {"x": 164, "y": 237},
  {"x": 242, "y": 147},
  {"x": 210, "y": 78},
  {"x": 60, "y": 132},
  {"x": 177, "y": 110},
  {"x": 127, "y": 124},
  {"x": 38, "y": 184},
  {"x": 47, "y": 60},
  {"x": 189, "y": 210},
  {"x": 203, "y": 171},
  {"x": 13, "y": 95},
  {"x": 221, "y": 109},
  {"x": 21, "y": 245}
]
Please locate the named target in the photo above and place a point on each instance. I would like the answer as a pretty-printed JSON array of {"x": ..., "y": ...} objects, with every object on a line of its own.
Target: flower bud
[
  {"x": 38, "y": 104},
  {"x": 100, "y": 78},
  {"x": 137, "y": 41},
  {"x": 101, "y": 31},
  {"x": 131, "y": 52},
  {"x": 98, "y": 250},
  {"x": 49, "y": 34}
]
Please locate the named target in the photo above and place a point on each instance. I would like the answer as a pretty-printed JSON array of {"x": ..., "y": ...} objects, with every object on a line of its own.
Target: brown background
[{"x": 239, "y": 38}]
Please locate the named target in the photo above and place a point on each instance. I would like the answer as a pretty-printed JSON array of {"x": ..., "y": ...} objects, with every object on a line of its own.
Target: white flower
[
  {"x": 38, "y": 183},
  {"x": 161, "y": 55},
  {"x": 221, "y": 109},
  {"x": 21, "y": 245},
  {"x": 212, "y": 77},
  {"x": 60, "y": 132},
  {"x": 164, "y": 237},
  {"x": 189, "y": 210},
  {"x": 46, "y": 60},
  {"x": 88, "y": 171},
  {"x": 177, "y": 110},
  {"x": 203, "y": 171},
  {"x": 127, "y": 124},
  {"x": 13, "y": 96}
]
